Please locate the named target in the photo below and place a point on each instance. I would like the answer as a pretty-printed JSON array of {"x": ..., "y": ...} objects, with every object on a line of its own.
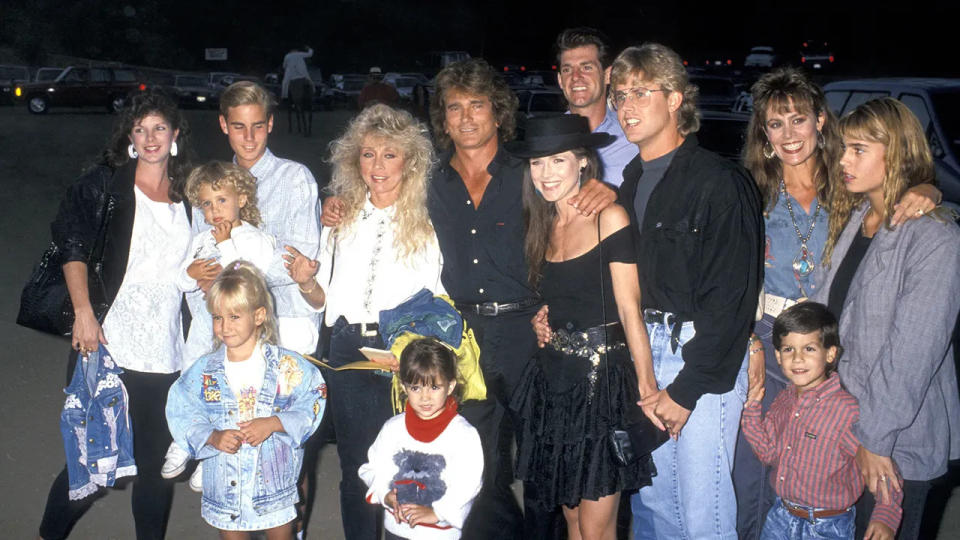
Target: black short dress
[{"x": 564, "y": 401}]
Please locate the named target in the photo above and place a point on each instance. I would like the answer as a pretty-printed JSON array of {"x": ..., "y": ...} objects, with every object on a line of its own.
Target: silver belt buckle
[
  {"x": 496, "y": 309},
  {"x": 367, "y": 333}
]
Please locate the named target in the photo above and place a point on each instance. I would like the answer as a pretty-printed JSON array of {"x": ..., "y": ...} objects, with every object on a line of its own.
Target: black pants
[
  {"x": 507, "y": 343},
  {"x": 359, "y": 403},
  {"x": 914, "y": 500},
  {"x": 152, "y": 495}
]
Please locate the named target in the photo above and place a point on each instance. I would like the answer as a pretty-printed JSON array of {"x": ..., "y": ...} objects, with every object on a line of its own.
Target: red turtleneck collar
[{"x": 428, "y": 430}]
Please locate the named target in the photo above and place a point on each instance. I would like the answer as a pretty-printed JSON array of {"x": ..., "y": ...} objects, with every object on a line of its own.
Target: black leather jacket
[{"x": 700, "y": 256}]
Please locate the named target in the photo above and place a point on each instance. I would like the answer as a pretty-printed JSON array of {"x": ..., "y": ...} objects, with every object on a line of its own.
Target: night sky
[{"x": 868, "y": 38}]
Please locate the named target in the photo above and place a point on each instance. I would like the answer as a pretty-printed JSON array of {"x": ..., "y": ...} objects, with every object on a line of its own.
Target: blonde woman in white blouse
[{"x": 384, "y": 251}]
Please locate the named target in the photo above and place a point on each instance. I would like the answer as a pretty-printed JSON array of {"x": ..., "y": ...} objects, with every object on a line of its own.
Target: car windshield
[
  {"x": 124, "y": 75},
  {"x": 191, "y": 81},
  {"x": 947, "y": 107},
  {"x": 44, "y": 75}
]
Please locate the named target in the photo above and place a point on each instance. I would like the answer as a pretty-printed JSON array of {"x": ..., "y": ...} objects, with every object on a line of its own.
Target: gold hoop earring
[{"x": 768, "y": 151}]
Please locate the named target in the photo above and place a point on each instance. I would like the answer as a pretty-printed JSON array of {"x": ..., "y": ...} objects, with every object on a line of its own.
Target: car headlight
[{"x": 201, "y": 99}]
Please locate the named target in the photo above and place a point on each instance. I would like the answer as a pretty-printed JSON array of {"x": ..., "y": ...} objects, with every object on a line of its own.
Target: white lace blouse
[{"x": 143, "y": 325}]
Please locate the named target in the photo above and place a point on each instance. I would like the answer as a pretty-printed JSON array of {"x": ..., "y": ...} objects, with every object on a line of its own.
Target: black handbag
[
  {"x": 45, "y": 301},
  {"x": 637, "y": 436}
]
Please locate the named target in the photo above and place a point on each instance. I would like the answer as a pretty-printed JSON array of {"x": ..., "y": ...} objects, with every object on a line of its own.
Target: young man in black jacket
[{"x": 699, "y": 255}]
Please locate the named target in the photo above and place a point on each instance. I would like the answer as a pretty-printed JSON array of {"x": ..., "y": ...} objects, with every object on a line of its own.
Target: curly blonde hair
[
  {"x": 242, "y": 287},
  {"x": 220, "y": 174},
  {"x": 413, "y": 227},
  {"x": 907, "y": 160}
]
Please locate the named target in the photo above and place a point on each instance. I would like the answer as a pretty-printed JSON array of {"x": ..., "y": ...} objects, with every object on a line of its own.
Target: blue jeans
[
  {"x": 782, "y": 525},
  {"x": 359, "y": 403},
  {"x": 692, "y": 495}
]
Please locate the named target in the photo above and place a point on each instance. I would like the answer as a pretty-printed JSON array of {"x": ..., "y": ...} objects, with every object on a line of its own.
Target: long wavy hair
[
  {"x": 413, "y": 227},
  {"x": 788, "y": 90},
  {"x": 242, "y": 287},
  {"x": 907, "y": 160},
  {"x": 540, "y": 215},
  {"x": 662, "y": 65},
  {"x": 219, "y": 175},
  {"x": 474, "y": 76},
  {"x": 142, "y": 105}
]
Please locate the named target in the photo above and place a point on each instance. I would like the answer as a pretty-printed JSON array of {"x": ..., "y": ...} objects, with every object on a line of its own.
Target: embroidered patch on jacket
[
  {"x": 316, "y": 408},
  {"x": 290, "y": 375},
  {"x": 211, "y": 389},
  {"x": 322, "y": 390}
]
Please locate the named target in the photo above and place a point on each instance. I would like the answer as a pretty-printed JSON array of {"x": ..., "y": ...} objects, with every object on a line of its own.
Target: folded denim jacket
[
  {"x": 95, "y": 425},
  {"x": 201, "y": 401}
]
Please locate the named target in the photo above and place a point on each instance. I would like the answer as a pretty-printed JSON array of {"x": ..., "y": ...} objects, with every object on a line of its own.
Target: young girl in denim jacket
[{"x": 246, "y": 409}]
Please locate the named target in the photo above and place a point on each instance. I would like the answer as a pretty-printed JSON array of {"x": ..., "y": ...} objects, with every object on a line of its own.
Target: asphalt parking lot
[{"x": 39, "y": 157}]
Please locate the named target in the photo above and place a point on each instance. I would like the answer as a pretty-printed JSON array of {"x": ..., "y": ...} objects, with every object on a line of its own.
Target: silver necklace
[{"x": 803, "y": 263}]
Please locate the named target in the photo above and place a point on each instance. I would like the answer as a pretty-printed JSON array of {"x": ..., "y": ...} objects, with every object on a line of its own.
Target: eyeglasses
[{"x": 642, "y": 95}]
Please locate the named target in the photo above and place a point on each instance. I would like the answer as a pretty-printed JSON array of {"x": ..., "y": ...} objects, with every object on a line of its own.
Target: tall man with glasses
[
  {"x": 584, "y": 58},
  {"x": 699, "y": 256}
]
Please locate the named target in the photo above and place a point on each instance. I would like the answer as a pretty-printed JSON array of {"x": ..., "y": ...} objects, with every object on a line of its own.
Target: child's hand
[
  {"x": 204, "y": 269},
  {"x": 257, "y": 430},
  {"x": 391, "y": 500},
  {"x": 221, "y": 231},
  {"x": 541, "y": 326},
  {"x": 878, "y": 531},
  {"x": 414, "y": 514},
  {"x": 756, "y": 393},
  {"x": 227, "y": 440}
]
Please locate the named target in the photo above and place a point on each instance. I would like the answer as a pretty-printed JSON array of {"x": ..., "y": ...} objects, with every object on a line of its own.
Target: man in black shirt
[{"x": 699, "y": 257}]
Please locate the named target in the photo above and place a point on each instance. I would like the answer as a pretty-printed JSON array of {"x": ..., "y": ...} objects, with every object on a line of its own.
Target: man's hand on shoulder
[{"x": 594, "y": 196}]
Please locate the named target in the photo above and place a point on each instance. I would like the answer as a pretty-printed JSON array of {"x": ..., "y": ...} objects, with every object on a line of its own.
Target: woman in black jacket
[{"x": 136, "y": 190}]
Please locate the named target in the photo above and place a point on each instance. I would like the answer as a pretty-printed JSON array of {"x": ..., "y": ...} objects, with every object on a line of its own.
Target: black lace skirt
[{"x": 564, "y": 406}]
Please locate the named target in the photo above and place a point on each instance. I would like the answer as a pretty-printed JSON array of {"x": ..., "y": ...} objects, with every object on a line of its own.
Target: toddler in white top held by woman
[
  {"x": 227, "y": 196},
  {"x": 426, "y": 466},
  {"x": 248, "y": 407}
]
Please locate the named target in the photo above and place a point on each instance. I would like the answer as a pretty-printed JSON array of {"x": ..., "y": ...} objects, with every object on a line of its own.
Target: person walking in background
[{"x": 377, "y": 91}]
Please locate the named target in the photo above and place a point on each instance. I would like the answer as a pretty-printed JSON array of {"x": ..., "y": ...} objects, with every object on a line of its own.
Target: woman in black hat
[{"x": 582, "y": 379}]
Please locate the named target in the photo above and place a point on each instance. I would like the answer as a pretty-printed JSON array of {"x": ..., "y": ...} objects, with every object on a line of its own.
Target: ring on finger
[{"x": 920, "y": 211}]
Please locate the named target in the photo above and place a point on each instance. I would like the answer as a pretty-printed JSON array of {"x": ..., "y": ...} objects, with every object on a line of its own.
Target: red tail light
[
  {"x": 803, "y": 59},
  {"x": 729, "y": 62},
  {"x": 804, "y": 43},
  {"x": 142, "y": 87},
  {"x": 523, "y": 68},
  {"x": 506, "y": 68},
  {"x": 685, "y": 63},
  {"x": 831, "y": 58},
  {"x": 553, "y": 67}
]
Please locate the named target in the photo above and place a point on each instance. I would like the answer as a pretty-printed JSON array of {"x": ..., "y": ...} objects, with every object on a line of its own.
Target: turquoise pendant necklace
[{"x": 803, "y": 263}]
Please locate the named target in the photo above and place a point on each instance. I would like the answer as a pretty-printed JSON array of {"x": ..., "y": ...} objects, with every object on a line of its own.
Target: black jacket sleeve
[{"x": 74, "y": 229}]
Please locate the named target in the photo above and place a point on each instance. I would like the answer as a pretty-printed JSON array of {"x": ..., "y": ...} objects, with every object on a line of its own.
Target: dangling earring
[
  {"x": 768, "y": 151},
  {"x": 821, "y": 141},
  {"x": 174, "y": 149},
  {"x": 132, "y": 152},
  {"x": 580, "y": 176}
]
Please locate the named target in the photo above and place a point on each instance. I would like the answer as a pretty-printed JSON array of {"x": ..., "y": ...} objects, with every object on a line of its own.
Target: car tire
[
  {"x": 37, "y": 104},
  {"x": 116, "y": 104}
]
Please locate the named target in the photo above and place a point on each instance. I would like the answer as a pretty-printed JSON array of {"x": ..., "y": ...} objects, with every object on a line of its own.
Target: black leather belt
[
  {"x": 656, "y": 316},
  {"x": 492, "y": 309}
]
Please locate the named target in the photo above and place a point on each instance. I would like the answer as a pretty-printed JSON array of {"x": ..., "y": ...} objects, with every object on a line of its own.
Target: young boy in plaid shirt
[{"x": 806, "y": 436}]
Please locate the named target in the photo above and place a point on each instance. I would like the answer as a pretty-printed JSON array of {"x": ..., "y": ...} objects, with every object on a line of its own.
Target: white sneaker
[
  {"x": 175, "y": 462},
  {"x": 196, "y": 479}
]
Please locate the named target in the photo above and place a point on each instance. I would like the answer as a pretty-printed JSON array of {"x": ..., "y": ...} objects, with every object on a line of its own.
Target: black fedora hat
[{"x": 548, "y": 135}]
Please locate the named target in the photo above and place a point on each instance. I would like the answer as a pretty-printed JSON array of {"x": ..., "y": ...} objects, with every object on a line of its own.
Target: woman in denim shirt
[
  {"x": 247, "y": 409},
  {"x": 793, "y": 150}
]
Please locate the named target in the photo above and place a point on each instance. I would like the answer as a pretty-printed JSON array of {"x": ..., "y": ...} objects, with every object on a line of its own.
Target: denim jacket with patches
[
  {"x": 201, "y": 401},
  {"x": 95, "y": 424}
]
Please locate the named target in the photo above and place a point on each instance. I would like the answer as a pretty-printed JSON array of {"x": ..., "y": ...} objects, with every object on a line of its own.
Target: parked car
[
  {"x": 723, "y": 132},
  {"x": 816, "y": 54},
  {"x": 541, "y": 102},
  {"x": 46, "y": 74},
  {"x": 716, "y": 93},
  {"x": 10, "y": 77},
  {"x": 193, "y": 90},
  {"x": 78, "y": 86},
  {"x": 760, "y": 56},
  {"x": 935, "y": 102},
  {"x": 402, "y": 83}
]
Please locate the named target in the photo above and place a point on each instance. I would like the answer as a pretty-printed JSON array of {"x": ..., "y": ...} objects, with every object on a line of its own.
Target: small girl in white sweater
[{"x": 426, "y": 466}]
